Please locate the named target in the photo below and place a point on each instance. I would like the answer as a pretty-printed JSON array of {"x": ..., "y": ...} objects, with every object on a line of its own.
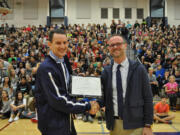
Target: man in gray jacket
[{"x": 127, "y": 93}]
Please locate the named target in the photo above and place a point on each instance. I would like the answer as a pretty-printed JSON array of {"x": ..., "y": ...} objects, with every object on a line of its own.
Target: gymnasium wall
[
  {"x": 26, "y": 12},
  {"x": 89, "y": 11},
  {"x": 35, "y": 12},
  {"x": 173, "y": 12}
]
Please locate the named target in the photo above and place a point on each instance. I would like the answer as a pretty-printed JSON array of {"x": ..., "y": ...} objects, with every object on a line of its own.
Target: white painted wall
[
  {"x": 18, "y": 19},
  {"x": 71, "y": 12},
  {"x": 171, "y": 13},
  {"x": 96, "y": 12}
]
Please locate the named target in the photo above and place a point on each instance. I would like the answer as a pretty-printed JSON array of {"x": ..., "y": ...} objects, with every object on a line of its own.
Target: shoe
[
  {"x": 99, "y": 121},
  {"x": 169, "y": 122},
  {"x": 90, "y": 119},
  {"x": 16, "y": 118},
  {"x": 156, "y": 121},
  {"x": 10, "y": 119},
  {"x": 4, "y": 117},
  {"x": 85, "y": 119},
  {"x": 34, "y": 120},
  {"x": 174, "y": 110}
]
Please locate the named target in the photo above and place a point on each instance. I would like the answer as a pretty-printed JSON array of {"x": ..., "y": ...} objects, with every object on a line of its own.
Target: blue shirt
[{"x": 58, "y": 60}]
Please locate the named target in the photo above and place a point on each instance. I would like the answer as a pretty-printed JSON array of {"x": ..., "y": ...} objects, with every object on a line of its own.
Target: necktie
[{"x": 119, "y": 91}]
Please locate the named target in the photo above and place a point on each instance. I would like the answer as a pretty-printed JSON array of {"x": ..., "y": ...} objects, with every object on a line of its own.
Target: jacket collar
[
  {"x": 54, "y": 57},
  {"x": 124, "y": 64}
]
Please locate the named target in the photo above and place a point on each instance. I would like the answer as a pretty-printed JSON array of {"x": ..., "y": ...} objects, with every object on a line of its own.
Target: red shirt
[{"x": 161, "y": 108}]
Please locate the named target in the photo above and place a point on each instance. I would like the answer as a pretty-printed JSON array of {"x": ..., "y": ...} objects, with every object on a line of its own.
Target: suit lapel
[
  {"x": 130, "y": 71},
  {"x": 110, "y": 90},
  {"x": 61, "y": 77}
]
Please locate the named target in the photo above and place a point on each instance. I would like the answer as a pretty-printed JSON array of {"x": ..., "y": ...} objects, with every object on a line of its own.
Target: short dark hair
[
  {"x": 23, "y": 77},
  {"x": 164, "y": 96},
  {"x": 58, "y": 31}
]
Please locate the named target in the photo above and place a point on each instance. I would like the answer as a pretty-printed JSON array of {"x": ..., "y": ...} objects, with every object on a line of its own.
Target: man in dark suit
[
  {"x": 127, "y": 93},
  {"x": 54, "y": 104}
]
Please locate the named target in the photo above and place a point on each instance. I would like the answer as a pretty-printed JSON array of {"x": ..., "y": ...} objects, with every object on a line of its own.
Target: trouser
[
  {"x": 119, "y": 130},
  {"x": 17, "y": 111},
  {"x": 57, "y": 132},
  {"x": 172, "y": 100},
  {"x": 155, "y": 90}
]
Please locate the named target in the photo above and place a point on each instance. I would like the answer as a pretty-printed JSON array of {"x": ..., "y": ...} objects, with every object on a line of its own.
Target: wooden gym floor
[{"x": 26, "y": 127}]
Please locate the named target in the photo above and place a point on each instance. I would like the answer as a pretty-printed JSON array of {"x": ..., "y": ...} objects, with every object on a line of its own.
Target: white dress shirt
[{"x": 124, "y": 73}]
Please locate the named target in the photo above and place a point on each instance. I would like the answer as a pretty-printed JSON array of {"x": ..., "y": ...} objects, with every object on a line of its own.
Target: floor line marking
[
  {"x": 175, "y": 128},
  {"x": 102, "y": 127},
  {"x": 92, "y": 133},
  {"x": 5, "y": 126}
]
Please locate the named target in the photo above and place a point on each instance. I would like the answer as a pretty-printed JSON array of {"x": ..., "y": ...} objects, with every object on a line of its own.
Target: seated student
[
  {"x": 161, "y": 110},
  {"x": 4, "y": 105},
  {"x": 17, "y": 106},
  {"x": 101, "y": 115},
  {"x": 87, "y": 116},
  {"x": 23, "y": 86},
  {"x": 6, "y": 85},
  {"x": 30, "y": 112}
]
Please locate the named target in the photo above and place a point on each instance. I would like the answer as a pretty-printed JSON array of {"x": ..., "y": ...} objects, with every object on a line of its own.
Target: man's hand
[
  {"x": 94, "y": 107},
  {"x": 147, "y": 131}
]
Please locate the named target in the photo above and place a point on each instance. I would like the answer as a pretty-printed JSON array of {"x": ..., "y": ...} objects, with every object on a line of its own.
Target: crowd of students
[{"x": 23, "y": 49}]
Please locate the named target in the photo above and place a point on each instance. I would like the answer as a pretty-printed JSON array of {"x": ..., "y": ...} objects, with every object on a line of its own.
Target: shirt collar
[
  {"x": 124, "y": 64},
  {"x": 58, "y": 60}
]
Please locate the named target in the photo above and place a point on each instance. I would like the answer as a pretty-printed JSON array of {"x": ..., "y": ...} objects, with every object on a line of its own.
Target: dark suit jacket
[
  {"x": 138, "y": 106},
  {"x": 54, "y": 104}
]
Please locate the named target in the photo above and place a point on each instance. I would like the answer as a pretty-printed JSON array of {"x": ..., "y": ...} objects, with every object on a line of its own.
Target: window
[
  {"x": 140, "y": 13},
  {"x": 104, "y": 13},
  {"x": 115, "y": 13},
  {"x": 57, "y": 8},
  {"x": 157, "y": 8},
  {"x": 128, "y": 13}
]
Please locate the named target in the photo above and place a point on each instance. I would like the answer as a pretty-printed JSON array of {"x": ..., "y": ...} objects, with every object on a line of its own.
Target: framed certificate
[{"x": 86, "y": 86}]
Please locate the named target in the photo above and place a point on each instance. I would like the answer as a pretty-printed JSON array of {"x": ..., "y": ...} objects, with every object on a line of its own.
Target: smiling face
[
  {"x": 20, "y": 96},
  {"x": 171, "y": 79},
  {"x": 59, "y": 45},
  {"x": 164, "y": 100},
  {"x": 4, "y": 94},
  {"x": 117, "y": 47}
]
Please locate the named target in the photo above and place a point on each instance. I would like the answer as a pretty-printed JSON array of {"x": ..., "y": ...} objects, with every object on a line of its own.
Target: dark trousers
[
  {"x": 6, "y": 115},
  {"x": 172, "y": 100},
  {"x": 59, "y": 132},
  {"x": 56, "y": 132},
  {"x": 155, "y": 90}
]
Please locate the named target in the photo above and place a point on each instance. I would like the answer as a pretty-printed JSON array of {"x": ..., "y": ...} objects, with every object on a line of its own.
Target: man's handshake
[{"x": 94, "y": 107}]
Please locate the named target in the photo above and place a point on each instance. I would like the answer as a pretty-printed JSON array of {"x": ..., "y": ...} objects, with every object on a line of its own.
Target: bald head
[
  {"x": 117, "y": 47},
  {"x": 115, "y": 39}
]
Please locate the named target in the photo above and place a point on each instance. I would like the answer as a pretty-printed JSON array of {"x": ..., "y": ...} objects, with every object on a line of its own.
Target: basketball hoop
[
  {"x": 4, "y": 12},
  {"x": 3, "y": 17}
]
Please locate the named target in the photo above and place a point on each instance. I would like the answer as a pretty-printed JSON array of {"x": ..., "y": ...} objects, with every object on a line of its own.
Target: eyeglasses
[{"x": 117, "y": 45}]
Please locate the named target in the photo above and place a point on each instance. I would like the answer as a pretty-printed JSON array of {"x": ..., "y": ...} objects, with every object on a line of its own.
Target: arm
[
  {"x": 176, "y": 89},
  {"x": 160, "y": 114},
  {"x": 148, "y": 98},
  {"x": 166, "y": 89},
  {"x": 103, "y": 82},
  {"x": 148, "y": 104},
  {"x": 22, "y": 105},
  {"x": 14, "y": 108},
  {"x": 56, "y": 96},
  {"x": 6, "y": 107}
]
